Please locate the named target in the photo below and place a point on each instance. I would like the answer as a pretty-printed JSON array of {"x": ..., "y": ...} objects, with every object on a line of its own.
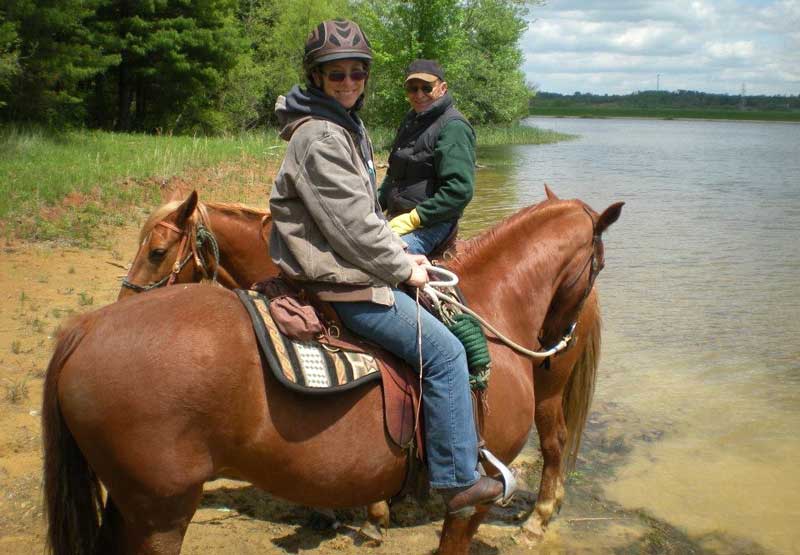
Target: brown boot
[{"x": 461, "y": 502}]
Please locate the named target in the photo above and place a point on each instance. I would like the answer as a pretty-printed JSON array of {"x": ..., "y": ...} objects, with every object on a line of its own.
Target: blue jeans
[
  {"x": 451, "y": 441},
  {"x": 425, "y": 239}
]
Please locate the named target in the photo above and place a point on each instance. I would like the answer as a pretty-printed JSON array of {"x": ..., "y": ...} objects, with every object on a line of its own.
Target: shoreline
[{"x": 665, "y": 118}]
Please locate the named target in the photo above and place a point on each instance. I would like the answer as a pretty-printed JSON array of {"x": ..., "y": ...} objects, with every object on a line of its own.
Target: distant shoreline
[
  {"x": 708, "y": 115},
  {"x": 669, "y": 118}
]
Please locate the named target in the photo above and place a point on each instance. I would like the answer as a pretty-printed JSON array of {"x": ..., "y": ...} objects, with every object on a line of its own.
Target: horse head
[
  {"x": 170, "y": 245},
  {"x": 580, "y": 271}
]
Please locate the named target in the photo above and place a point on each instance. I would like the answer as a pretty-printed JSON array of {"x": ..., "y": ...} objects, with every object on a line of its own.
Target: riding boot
[{"x": 460, "y": 502}]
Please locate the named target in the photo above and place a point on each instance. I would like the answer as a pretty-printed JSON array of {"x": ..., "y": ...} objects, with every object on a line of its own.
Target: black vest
[{"x": 411, "y": 164}]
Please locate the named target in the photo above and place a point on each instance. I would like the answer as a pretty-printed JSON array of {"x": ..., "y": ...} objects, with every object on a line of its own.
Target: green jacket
[{"x": 454, "y": 164}]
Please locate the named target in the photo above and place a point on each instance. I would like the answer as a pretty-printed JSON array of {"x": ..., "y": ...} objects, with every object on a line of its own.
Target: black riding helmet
[{"x": 335, "y": 39}]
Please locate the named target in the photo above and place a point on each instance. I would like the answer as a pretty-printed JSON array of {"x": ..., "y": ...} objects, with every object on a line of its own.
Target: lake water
[{"x": 701, "y": 306}]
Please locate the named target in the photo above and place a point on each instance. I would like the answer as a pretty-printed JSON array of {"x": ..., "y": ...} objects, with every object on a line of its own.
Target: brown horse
[
  {"x": 154, "y": 395},
  {"x": 241, "y": 234}
]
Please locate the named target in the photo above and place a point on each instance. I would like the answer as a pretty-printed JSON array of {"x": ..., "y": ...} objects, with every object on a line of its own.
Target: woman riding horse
[{"x": 328, "y": 233}]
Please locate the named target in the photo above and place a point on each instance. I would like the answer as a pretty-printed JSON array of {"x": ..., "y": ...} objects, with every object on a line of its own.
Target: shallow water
[{"x": 701, "y": 306}]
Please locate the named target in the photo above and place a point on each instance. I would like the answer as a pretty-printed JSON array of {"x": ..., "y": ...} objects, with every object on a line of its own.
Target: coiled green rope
[{"x": 467, "y": 329}]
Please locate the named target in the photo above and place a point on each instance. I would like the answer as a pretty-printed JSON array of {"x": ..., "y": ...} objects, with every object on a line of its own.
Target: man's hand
[{"x": 405, "y": 223}]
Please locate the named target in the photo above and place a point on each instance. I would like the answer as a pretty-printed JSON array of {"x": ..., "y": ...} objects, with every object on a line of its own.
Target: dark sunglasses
[
  {"x": 339, "y": 76},
  {"x": 412, "y": 89}
]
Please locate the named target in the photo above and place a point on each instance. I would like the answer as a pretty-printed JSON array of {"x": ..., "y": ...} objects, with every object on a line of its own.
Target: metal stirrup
[{"x": 509, "y": 481}]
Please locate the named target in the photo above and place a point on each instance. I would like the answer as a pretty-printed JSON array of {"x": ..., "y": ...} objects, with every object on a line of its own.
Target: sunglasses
[
  {"x": 412, "y": 89},
  {"x": 339, "y": 76}
]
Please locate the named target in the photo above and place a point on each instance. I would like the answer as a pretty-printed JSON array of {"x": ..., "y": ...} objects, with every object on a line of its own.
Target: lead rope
[{"x": 419, "y": 350}]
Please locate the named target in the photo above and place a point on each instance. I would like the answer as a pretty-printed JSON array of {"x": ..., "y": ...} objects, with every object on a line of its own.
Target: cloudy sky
[{"x": 624, "y": 46}]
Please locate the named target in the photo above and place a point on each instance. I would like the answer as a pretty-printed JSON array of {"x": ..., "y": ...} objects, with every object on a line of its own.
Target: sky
[{"x": 624, "y": 46}]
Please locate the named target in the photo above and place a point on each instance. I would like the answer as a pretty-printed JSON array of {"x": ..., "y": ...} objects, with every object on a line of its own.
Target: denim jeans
[
  {"x": 451, "y": 441},
  {"x": 425, "y": 239}
]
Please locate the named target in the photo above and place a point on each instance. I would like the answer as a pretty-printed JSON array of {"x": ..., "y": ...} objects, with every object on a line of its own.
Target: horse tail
[
  {"x": 579, "y": 391},
  {"x": 71, "y": 489}
]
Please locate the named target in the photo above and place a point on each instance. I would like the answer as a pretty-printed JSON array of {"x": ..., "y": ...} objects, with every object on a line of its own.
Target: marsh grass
[
  {"x": 65, "y": 186},
  {"x": 62, "y": 186},
  {"x": 16, "y": 391},
  {"x": 487, "y": 135}
]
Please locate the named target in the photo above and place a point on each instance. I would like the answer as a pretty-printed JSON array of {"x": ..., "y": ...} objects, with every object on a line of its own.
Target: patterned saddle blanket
[{"x": 315, "y": 368}]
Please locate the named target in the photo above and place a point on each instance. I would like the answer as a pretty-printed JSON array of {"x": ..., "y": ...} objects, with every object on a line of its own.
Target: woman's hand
[{"x": 419, "y": 275}]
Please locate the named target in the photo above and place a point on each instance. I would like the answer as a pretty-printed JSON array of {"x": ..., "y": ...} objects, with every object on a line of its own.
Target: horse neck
[
  {"x": 242, "y": 251},
  {"x": 512, "y": 272}
]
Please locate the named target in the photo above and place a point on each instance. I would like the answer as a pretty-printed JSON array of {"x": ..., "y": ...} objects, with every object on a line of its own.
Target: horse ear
[
  {"x": 186, "y": 209},
  {"x": 608, "y": 217},
  {"x": 550, "y": 194}
]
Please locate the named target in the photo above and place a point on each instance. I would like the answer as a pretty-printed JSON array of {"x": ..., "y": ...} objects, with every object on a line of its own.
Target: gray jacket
[{"x": 327, "y": 227}]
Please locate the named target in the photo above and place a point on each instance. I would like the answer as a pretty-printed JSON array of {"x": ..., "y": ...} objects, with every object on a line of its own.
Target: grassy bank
[
  {"x": 61, "y": 186},
  {"x": 487, "y": 135},
  {"x": 666, "y": 113}
]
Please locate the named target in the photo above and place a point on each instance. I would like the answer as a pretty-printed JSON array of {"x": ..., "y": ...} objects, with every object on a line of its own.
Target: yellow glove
[{"x": 405, "y": 223}]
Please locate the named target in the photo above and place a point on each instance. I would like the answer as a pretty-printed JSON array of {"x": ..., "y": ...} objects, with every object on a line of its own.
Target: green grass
[
  {"x": 487, "y": 135},
  {"x": 39, "y": 169},
  {"x": 64, "y": 186},
  {"x": 665, "y": 113}
]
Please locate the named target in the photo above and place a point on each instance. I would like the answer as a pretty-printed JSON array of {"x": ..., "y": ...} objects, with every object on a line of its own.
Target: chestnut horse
[
  {"x": 241, "y": 234},
  {"x": 156, "y": 394}
]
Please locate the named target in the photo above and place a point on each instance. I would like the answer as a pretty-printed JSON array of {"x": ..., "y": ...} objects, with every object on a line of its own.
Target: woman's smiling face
[{"x": 347, "y": 90}]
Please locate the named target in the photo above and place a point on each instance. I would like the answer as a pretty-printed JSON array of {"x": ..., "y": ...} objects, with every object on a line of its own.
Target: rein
[
  {"x": 202, "y": 236},
  {"x": 569, "y": 334}
]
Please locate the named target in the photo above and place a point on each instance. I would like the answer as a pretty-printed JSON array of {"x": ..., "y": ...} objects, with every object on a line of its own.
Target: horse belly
[{"x": 331, "y": 451}]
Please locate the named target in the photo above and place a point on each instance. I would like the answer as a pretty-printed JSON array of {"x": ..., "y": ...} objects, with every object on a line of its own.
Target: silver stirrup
[{"x": 509, "y": 481}]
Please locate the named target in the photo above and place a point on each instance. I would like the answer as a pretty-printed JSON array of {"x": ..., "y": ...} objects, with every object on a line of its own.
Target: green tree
[
  {"x": 277, "y": 31},
  {"x": 476, "y": 41},
  {"x": 174, "y": 57},
  {"x": 9, "y": 58},
  {"x": 56, "y": 52}
]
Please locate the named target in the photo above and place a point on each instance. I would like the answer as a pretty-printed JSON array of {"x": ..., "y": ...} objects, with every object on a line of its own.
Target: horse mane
[
  {"x": 519, "y": 224},
  {"x": 237, "y": 209},
  {"x": 234, "y": 208}
]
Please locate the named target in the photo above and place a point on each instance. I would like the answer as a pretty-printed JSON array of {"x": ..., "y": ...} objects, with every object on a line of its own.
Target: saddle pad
[{"x": 306, "y": 366}]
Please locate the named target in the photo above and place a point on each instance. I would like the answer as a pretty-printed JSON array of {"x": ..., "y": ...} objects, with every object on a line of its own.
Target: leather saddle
[{"x": 290, "y": 324}]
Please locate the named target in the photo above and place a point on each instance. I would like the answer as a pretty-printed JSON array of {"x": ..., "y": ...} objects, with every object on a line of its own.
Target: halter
[{"x": 203, "y": 235}]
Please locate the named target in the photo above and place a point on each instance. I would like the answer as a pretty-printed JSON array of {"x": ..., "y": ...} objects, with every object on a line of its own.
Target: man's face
[{"x": 421, "y": 94}]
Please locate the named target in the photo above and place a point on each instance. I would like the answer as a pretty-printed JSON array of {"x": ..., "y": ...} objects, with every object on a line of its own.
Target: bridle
[{"x": 186, "y": 251}]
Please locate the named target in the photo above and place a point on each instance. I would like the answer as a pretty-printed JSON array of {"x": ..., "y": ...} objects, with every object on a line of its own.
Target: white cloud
[{"x": 626, "y": 45}]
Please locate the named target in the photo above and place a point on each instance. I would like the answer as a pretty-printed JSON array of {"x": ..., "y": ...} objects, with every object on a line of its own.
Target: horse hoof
[
  {"x": 323, "y": 519},
  {"x": 371, "y": 533},
  {"x": 531, "y": 534}
]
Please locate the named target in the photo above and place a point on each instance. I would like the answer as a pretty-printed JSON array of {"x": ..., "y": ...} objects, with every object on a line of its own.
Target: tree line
[
  {"x": 210, "y": 66},
  {"x": 681, "y": 99}
]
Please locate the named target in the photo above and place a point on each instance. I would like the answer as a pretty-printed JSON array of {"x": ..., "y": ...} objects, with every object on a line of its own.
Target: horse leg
[
  {"x": 377, "y": 521},
  {"x": 457, "y": 533},
  {"x": 552, "y": 430},
  {"x": 151, "y": 526}
]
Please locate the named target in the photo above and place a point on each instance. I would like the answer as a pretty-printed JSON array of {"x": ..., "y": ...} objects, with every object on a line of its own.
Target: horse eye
[{"x": 157, "y": 255}]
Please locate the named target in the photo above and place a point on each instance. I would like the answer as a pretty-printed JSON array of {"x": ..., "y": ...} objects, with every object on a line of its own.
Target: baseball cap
[{"x": 427, "y": 70}]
